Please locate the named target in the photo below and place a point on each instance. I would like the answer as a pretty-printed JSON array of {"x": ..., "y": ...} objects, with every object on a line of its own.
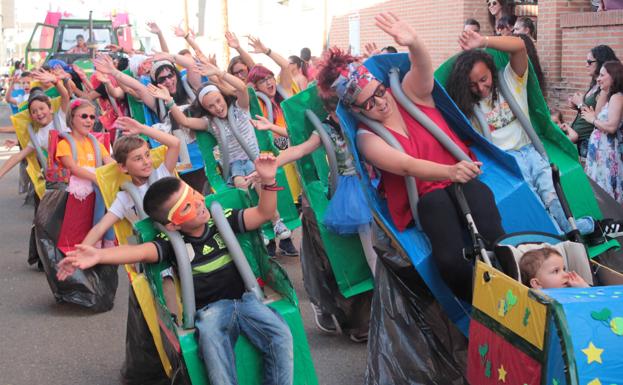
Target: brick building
[{"x": 567, "y": 29}]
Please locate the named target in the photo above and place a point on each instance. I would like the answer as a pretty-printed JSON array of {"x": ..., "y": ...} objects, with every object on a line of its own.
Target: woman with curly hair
[
  {"x": 474, "y": 85},
  {"x": 434, "y": 168}
]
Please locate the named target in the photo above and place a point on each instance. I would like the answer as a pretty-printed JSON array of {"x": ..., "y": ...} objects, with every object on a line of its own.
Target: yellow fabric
[
  {"x": 507, "y": 301},
  {"x": 20, "y": 122},
  {"x": 84, "y": 148},
  {"x": 109, "y": 179},
  {"x": 289, "y": 169}
]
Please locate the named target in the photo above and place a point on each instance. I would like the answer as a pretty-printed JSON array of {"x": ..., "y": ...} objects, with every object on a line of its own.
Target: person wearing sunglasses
[
  {"x": 499, "y": 8},
  {"x": 424, "y": 158},
  {"x": 595, "y": 58}
]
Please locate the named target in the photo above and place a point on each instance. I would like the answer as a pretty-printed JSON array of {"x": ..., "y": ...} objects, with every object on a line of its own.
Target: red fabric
[
  {"x": 491, "y": 360},
  {"x": 55, "y": 172},
  {"x": 77, "y": 222},
  {"x": 421, "y": 145}
]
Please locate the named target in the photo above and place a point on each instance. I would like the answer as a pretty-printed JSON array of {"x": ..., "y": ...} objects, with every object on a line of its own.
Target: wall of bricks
[
  {"x": 579, "y": 32},
  {"x": 438, "y": 23},
  {"x": 567, "y": 29}
]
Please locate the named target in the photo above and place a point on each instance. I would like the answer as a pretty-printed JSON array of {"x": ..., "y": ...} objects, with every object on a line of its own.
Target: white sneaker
[{"x": 281, "y": 231}]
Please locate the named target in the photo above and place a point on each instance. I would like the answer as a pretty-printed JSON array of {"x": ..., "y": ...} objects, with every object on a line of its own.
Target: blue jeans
[
  {"x": 538, "y": 173},
  {"x": 240, "y": 168},
  {"x": 220, "y": 323}
]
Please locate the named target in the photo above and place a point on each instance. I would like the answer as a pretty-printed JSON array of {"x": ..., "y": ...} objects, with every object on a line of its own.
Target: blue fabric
[
  {"x": 14, "y": 94},
  {"x": 220, "y": 323},
  {"x": 99, "y": 211},
  {"x": 500, "y": 173},
  {"x": 592, "y": 315},
  {"x": 538, "y": 173},
  {"x": 348, "y": 208}
]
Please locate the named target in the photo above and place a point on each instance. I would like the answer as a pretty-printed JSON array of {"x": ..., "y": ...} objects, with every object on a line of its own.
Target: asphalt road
[{"x": 43, "y": 342}]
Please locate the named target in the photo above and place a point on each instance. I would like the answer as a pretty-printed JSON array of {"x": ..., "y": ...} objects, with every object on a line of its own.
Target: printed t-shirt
[
  {"x": 281, "y": 142},
  {"x": 242, "y": 118}
]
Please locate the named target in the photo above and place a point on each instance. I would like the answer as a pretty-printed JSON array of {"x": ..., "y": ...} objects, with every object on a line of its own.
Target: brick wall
[
  {"x": 579, "y": 32},
  {"x": 437, "y": 22}
]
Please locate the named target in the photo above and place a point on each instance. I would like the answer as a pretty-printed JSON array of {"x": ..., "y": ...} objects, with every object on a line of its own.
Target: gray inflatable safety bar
[
  {"x": 223, "y": 148},
  {"x": 268, "y": 104},
  {"x": 484, "y": 126},
  {"x": 72, "y": 144},
  {"x": 43, "y": 161},
  {"x": 423, "y": 119},
  {"x": 132, "y": 190},
  {"x": 181, "y": 256},
  {"x": 382, "y": 132},
  {"x": 243, "y": 144},
  {"x": 185, "y": 275},
  {"x": 235, "y": 251},
  {"x": 57, "y": 122},
  {"x": 328, "y": 147},
  {"x": 281, "y": 91},
  {"x": 524, "y": 120},
  {"x": 96, "y": 148},
  {"x": 189, "y": 90}
]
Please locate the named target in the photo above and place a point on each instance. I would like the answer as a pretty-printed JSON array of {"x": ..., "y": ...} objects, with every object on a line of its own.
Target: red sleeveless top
[{"x": 421, "y": 145}]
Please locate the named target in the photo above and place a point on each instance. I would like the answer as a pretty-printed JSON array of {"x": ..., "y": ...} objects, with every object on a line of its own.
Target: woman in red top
[{"x": 424, "y": 157}]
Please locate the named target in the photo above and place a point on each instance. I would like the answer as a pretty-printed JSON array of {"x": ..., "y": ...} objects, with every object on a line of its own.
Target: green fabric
[
  {"x": 345, "y": 253},
  {"x": 137, "y": 111},
  {"x": 561, "y": 151}
]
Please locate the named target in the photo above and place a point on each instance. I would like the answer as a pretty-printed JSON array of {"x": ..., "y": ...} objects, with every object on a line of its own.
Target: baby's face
[{"x": 551, "y": 275}]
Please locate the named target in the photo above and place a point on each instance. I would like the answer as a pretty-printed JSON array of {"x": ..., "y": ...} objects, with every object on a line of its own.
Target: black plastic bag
[
  {"x": 93, "y": 288},
  {"x": 411, "y": 340},
  {"x": 142, "y": 365},
  {"x": 352, "y": 313}
]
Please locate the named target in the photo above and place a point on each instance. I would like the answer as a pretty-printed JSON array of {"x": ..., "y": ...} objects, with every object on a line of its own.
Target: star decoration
[
  {"x": 502, "y": 373},
  {"x": 593, "y": 353},
  {"x": 595, "y": 382}
]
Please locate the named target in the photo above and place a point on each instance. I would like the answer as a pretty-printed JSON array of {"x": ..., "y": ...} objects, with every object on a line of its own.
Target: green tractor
[{"x": 49, "y": 41}]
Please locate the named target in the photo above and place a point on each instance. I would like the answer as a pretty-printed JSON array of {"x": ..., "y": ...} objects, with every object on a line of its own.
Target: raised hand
[
  {"x": 400, "y": 30},
  {"x": 464, "y": 171},
  {"x": 43, "y": 76},
  {"x": 60, "y": 73},
  {"x": 371, "y": 49},
  {"x": 159, "y": 92},
  {"x": 575, "y": 100},
  {"x": 157, "y": 56},
  {"x": 104, "y": 64},
  {"x": 206, "y": 68},
  {"x": 470, "y": 39},
  {"x": 102, "y": 77},
  {"x": 178, "y": 31},
  {"x": 257, "y": 45},
  {"x": 266, "y": 167},
  {"x": 83, "y": 257},
  {"x": 232, "y": 40},
  {"x": 153, "y": 27},
  {"x": 129, "y": 126},
  {"x": 261, "y": 123}
]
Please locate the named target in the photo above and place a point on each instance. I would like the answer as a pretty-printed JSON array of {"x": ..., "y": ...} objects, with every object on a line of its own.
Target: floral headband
[{"x": 353, "y": 78}]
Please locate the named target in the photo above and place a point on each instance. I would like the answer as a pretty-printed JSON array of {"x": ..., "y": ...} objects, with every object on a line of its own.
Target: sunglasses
[
  {"x": 589, "y": 62},
  {"x": 266, "y": 79},
  {"x": 164, "y": 78},
  {"x": 90, "y": 116},
  {"x": 492, "y": 3},
  {"x": 369, "y": 103}
]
